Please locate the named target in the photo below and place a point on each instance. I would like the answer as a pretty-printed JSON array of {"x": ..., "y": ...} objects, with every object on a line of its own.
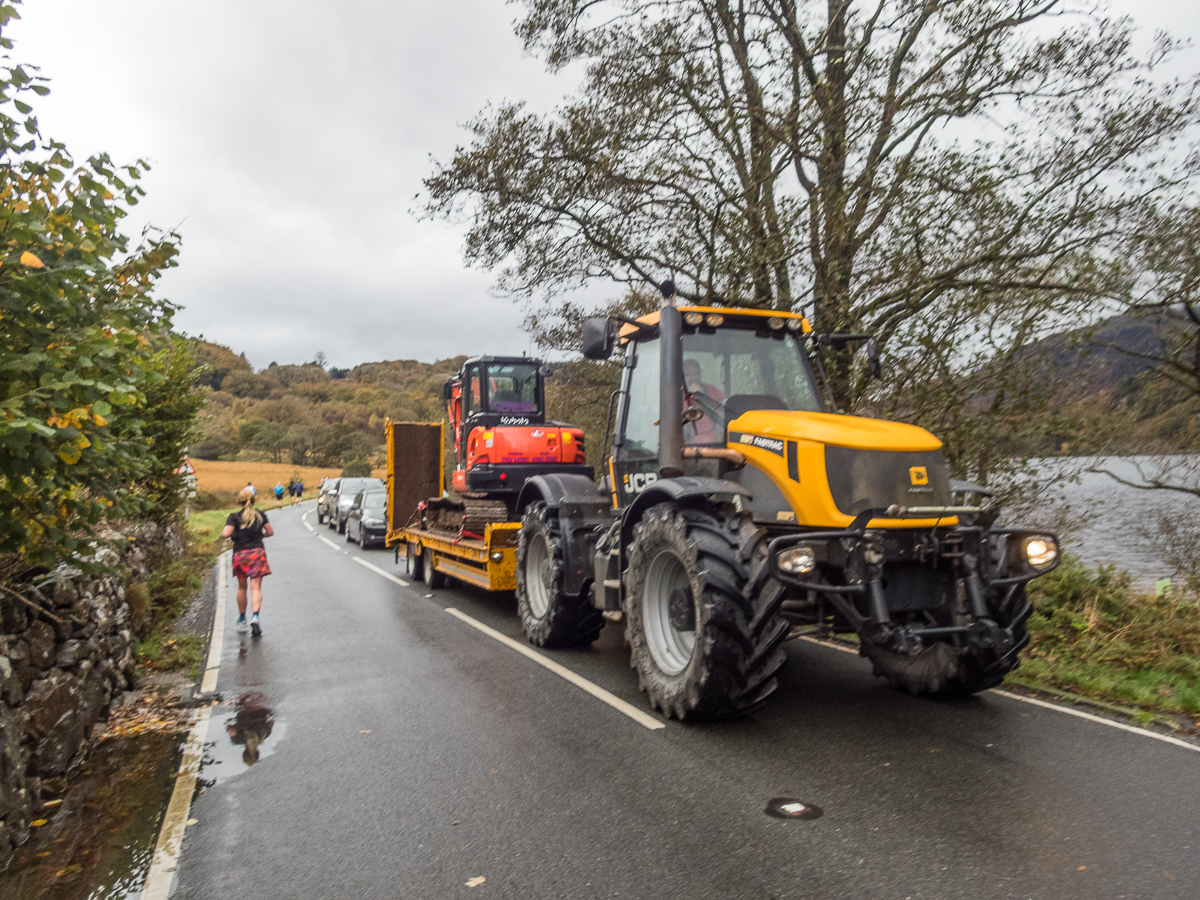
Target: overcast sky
[{"x": 288, "y": 140}]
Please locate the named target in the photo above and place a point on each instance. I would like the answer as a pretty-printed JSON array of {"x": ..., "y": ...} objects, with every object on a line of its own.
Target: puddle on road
[
  {"x": 251, "y": 733},
  {"x": 98, "y": 842}
]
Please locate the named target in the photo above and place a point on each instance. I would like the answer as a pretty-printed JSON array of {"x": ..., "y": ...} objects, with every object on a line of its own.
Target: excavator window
[{"x": 513, "y": 389}]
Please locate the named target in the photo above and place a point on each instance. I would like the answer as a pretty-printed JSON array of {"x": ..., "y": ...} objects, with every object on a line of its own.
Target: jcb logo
[
  {"x": 639, "y": 481},
  {"x": 918, "y": 476}
]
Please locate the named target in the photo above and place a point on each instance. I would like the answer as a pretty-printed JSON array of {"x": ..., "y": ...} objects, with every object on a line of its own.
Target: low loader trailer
[{"x": 501, "y": 439}]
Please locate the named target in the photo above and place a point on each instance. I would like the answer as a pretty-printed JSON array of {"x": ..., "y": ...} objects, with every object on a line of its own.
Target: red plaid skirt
[{"x": 251, "y": 563}]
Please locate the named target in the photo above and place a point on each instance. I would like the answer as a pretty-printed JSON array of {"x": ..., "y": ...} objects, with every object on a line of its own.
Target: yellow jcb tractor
[{"x": 741, "y": 510}]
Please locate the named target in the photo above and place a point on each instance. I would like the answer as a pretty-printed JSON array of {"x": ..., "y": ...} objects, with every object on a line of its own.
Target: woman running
[{"x": 248, "y": 528}]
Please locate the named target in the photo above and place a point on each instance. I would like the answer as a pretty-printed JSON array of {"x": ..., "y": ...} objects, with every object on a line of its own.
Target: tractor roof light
[
  {"x": 712, "y": 320},
  {"x": 693, "y": 318},
  {"x": 775, "y": 323},
  {"x": 795, "y": 324},
  {"x": 1041, "y": 551},
  {"x": 798, "y": 560}
]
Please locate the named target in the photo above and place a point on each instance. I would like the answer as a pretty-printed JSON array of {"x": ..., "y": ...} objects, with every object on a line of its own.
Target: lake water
[{"x": 1106, "y": 517}]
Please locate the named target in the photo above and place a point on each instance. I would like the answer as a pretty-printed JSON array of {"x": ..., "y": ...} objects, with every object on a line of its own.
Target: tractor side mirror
[
  {"x": 447, "y": 392},
  {"x": 599, "y": 336},
  {"x": 874, "y": 366}
]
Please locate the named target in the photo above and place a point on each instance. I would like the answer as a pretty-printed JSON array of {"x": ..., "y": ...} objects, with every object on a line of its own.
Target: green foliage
[
  {"x": 95, "y": 394},
  {"x": 1093, "y": 635},
  {"x": 357, "y": 468}
]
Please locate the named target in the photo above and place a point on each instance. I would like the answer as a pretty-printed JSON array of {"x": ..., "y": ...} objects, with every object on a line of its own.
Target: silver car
[{"x": 339, "y": 500}]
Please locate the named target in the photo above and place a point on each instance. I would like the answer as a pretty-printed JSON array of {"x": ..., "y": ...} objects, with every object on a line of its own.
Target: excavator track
[{"x": 463, "y": 515}]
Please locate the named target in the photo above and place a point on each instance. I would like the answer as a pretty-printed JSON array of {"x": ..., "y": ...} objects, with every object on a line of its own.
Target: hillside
[
  {"x": 307, "y": 416},
  {"x": 304, "y": 416}
]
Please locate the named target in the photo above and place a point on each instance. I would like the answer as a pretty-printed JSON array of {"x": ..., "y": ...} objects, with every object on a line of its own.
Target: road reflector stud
[{"x": 791, "y": 808}]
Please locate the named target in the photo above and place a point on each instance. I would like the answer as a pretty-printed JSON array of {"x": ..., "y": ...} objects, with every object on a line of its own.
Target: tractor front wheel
[
  {"x": 700, "y": 643},
  {"x": 549, "y": 617}
]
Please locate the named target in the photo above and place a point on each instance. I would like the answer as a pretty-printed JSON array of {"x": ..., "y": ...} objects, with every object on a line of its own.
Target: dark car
[
  {"x": 338, "y": 500},
  {"x": 328, "y": 486},
  {"x": 367, "y": 522}
]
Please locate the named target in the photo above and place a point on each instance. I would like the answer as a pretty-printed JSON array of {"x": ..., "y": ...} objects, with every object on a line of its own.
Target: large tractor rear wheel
[
  {"x": 549, "y": 617},
  {"x": 700, "y": 642},
  {"x": 941, "y": 670}
]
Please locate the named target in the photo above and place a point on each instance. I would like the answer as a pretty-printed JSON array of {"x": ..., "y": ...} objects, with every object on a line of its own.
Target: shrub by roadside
[{"x": 1094, "y": 636}]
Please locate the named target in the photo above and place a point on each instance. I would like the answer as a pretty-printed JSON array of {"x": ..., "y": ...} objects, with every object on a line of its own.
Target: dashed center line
[
  {"x": 378, "y": 571},
  {"x": 321, "y": 537}
]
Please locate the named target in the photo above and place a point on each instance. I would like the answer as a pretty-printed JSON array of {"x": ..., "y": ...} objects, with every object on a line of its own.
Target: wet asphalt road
[{"x": 402, "y": 754}]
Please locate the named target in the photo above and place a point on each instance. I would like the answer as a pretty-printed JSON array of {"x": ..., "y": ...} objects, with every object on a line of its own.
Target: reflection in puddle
[
  {"x": 251, "y": 726},
  {"x": 251, "y": 733}
]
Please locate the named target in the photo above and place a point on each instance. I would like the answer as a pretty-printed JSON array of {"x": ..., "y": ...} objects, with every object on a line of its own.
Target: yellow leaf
[
  {"x": 28, "y": 259},
  {"x": 99, "y": 420},
  {"x": 476, "y": 881},
  {"x": 69, "y": 453},
  {"x": 38, "y": 823}
]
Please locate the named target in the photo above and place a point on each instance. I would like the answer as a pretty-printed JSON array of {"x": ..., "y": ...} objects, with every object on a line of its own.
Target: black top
[{"x": 246, "y": 538}]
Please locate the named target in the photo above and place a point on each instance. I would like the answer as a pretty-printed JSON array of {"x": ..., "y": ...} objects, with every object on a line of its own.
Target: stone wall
[{"x": 61, "y": 668}]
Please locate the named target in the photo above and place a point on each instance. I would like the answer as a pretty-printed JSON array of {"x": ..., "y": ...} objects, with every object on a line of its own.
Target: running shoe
[
  {"x": 242, "y": 626},
  {"x": 255, "y": 629}
]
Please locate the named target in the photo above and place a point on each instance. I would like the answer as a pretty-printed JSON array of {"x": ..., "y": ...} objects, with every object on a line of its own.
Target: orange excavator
[{"x": 497, "y": 411}]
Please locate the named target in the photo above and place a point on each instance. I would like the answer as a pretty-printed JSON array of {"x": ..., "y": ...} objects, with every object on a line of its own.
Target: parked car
[
  {"x": 328, "y": 486},
  {"x": 366, "y": 523},
  {"x": 338, "y": 501}
]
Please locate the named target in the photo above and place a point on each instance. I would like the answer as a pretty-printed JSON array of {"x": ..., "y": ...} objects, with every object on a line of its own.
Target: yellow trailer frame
[{"x": 490, "y": 563}]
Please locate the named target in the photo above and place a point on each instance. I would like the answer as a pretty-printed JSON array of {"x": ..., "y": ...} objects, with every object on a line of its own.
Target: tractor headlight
[
  {"x": 798, "y": 560},
  {"x": 775, "y": 323},
  {"x": 712, "y": 320},
  {"x": 693, "y": 318},
  {"x": 1041, "y": 551},
  {"x": 795, "y": 324}
]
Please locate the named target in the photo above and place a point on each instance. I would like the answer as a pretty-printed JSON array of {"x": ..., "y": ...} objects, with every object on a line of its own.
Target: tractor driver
[{"x": 703, "y": 430}]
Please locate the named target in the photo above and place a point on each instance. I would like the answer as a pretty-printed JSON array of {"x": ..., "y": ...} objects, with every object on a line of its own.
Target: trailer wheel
[
  {"x": 942, "y": 670},
  {"x": 549, "y": 617},
  {"x": 697, "y": 640},
  {"x": 432, "y": 577},
  {"x": 414, "y": 562}
]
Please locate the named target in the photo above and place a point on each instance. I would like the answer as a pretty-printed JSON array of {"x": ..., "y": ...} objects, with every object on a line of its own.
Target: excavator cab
[{"x": 497, "y": 411}]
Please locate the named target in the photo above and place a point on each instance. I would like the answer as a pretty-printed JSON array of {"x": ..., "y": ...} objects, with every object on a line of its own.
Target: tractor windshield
[
  {"x": 732, "y": 370},
  {"x": 727, "y": 372},
  {"x": 512, "y": 388}
]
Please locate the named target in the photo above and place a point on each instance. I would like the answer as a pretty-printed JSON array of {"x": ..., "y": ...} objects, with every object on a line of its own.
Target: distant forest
[{"x": 308, "y": 415}]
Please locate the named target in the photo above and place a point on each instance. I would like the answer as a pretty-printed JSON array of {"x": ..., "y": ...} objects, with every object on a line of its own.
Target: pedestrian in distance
[
  {"x": 297, "y": 492},
  {"x": 247, "y": 529},
  {"x": 279, "y": 495},
  {"x": 251, "y": 488}
]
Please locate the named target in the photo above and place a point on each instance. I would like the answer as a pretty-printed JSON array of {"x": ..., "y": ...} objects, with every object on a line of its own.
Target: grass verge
[
  {"x": 1094, "y": 636},
  {"x": 166, "y": 594}
]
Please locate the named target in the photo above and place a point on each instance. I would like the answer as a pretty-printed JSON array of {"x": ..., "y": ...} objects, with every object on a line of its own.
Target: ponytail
[{"x": 250, "y": 517}]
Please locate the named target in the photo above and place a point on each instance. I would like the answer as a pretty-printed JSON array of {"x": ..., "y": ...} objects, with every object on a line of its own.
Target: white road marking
[
  {"x": 170, "y": 838},
  {"x": 830, "y": 645},
  {"x": 209, "y": 683},
  {"x": 579, "y": 681},
  {"x": 321, "y": 537},
  {"x": 1100, "y": 720},
  {"x": 378, "y": 571},
  {"x": 307, "y": 525}
]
